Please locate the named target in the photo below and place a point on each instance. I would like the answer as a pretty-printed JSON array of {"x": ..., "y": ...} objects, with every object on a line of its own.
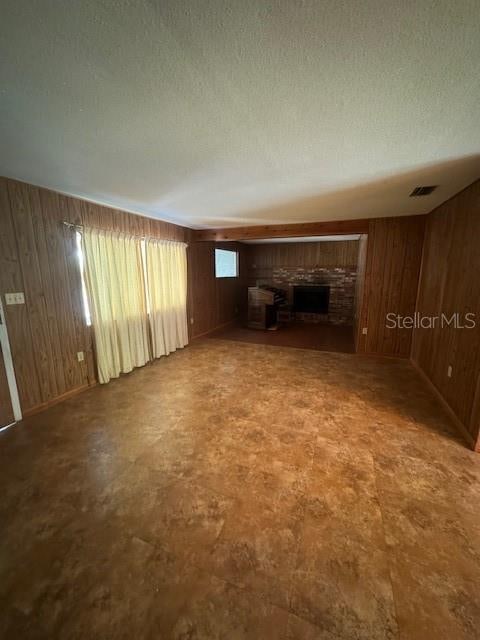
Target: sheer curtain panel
[
  {"x": 115, "y": 282},
  {"x": 167, "y": 295}
]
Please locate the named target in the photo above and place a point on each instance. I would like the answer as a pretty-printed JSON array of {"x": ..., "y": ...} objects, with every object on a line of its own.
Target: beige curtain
[
  {"x": 114, "y": 277},
  {"x": 167, "y": 294}
]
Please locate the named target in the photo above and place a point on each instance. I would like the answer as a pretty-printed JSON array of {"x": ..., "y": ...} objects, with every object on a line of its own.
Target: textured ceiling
[{"x": 214, "y": 113}]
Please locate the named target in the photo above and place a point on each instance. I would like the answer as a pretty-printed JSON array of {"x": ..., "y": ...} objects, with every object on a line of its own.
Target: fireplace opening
[{"x": 311, "y": 298}]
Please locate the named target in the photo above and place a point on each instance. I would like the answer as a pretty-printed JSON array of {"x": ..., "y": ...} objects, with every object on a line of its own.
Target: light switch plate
[
  {"x": 449, "y": 371},
  {"x": 80, "y": 356},
  {"x": 15, "y": 298},
  {"x": 364, "y": 331}
]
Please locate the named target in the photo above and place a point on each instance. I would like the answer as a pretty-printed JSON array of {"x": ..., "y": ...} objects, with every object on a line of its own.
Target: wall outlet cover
[
  {"x": 364, "y": 331},
  {"x": 80, "y": 356},
  {"x": 15, "y": 298}
]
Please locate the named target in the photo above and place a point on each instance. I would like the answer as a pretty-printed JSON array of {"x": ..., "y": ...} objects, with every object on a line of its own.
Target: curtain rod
[
  {"x": 80, "y": 227},
  {"x": 72, "y": 225}
]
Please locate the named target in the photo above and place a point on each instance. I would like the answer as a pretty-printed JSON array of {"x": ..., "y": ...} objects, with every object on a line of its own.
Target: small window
[{"x": 226, "y": 263}]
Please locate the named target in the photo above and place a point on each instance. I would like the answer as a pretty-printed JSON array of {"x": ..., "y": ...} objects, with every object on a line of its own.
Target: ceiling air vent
[{"x": 423, "y": 191}]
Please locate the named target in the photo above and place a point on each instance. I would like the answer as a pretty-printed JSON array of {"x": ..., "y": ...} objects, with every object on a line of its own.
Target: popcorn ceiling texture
[{"x": 221, "y": 113}]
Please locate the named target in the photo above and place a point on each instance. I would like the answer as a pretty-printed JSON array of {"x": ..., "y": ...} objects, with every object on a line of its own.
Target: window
[
  {"x": 137, "y": 289},
  {"x": 81, "y": 261},
  {"x": 226, "y": 263}
]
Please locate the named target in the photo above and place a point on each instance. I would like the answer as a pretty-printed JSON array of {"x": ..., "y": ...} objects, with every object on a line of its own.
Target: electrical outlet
[
  {"x": 364, "y": 331},
  {"x": 15, "y": 298},
  {"x": 191, "y": 320},
  {"x": 80, "y": 356},
  {"x": 449, "y": 371}
]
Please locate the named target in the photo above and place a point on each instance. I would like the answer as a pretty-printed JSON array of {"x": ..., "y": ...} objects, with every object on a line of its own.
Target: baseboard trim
[
  {"x": 373, "y": 354},
  {"x": 220, "y": 326},
  {"x": 50, "y": 403},
  {"x": 467, "y": 436}
]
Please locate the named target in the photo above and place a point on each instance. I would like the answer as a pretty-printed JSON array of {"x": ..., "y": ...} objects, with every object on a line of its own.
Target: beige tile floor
[{"x": 242, "y": 491}]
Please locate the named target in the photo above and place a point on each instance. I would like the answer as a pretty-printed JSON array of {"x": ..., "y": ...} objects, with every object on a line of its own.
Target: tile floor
[{"x": 242, "y": 491}]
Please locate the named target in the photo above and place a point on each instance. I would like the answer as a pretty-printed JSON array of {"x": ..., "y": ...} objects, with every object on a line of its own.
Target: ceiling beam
[{"x": 337, "y": 227}]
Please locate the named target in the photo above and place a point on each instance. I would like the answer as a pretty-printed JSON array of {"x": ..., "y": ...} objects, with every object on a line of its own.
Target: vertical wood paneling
[
  {"x": 215, "y": 301},
  {"x": 450, "y": 283},
  {"x": 360, "y": 287},
  {"x": 57, "y": 239},
  {"x": 52, "y": 289},
  {"x": 341, "y": 253},
  {"x": 25, "y": 206},
  {"x": 394, "y": 253},
  {"x": 17, "y": 318},
  {"x": 203, "y": 284}
]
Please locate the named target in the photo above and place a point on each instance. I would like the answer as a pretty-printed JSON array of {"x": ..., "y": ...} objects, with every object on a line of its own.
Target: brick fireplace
[{"x": 341, "y": 281}]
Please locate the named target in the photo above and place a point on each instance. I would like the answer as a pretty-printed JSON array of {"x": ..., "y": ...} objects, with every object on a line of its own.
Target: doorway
[
  {"x": 10, "y": 411},
  {"x": 303, "y": 292}
]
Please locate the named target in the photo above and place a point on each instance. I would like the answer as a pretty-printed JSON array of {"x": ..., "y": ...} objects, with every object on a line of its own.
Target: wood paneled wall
[
  {"x": 215, "y": 301},
  {"x": 360, "y": 286},
  {"x": 262, "y": 259},
  {"x": 394, "y": 254},
  {"x": 450, "y": 283},
  {"x": 341, "y": 253},
  {"x": 38, "y": 256}
]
